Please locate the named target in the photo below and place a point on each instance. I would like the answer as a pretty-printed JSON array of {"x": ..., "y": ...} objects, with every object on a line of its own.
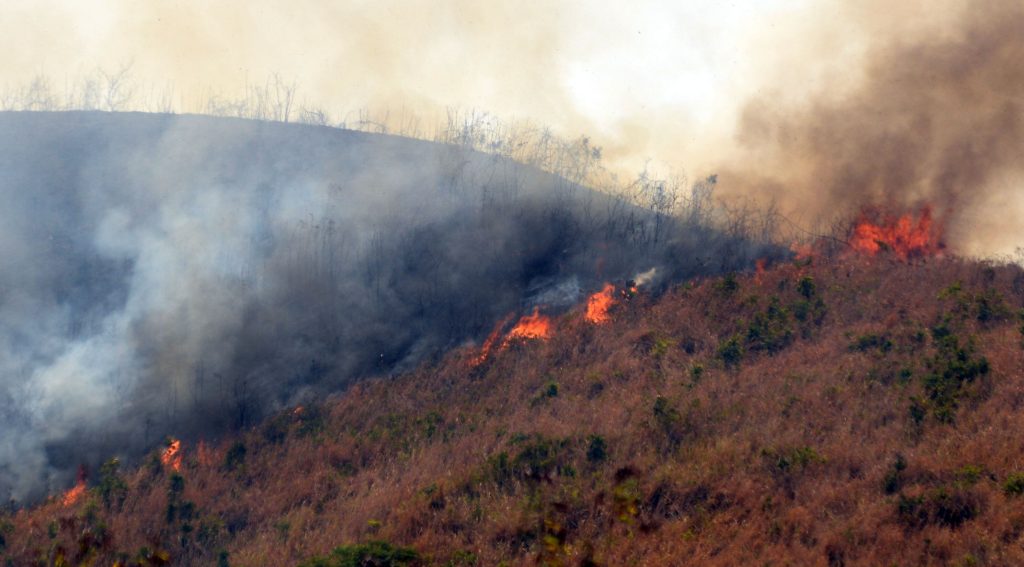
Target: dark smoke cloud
[
  {"x": 935, "y": 118},
  {"x": 187, "y": 275}
]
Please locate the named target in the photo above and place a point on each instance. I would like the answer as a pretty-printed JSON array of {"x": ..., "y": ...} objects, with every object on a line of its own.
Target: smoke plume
[
  {"x": 934, "y": 118},
  {"x": 187, "y": 275}
]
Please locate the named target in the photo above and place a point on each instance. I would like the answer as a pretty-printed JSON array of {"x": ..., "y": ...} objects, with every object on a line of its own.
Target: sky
[
  {"x": 650, "y": 79},
  {"x": 662, "y": 84}
]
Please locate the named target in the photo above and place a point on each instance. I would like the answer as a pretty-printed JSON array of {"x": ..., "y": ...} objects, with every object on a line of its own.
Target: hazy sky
[
  {"x": 655, "y": 78},
  {"x": 661, "y": 80}
]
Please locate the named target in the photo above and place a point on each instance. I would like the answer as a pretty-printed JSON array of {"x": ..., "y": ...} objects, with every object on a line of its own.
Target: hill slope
[
  {"x": 191, "y": 275},
  {"x": 851, "y": 411}
]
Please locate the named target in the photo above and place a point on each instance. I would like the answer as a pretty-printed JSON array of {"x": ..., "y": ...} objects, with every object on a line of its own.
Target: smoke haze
[
  {"x": 935, "y": 119},
  {"x": 186, "y": 275}
]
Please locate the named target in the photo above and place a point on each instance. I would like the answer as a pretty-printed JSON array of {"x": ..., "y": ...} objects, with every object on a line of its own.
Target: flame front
[
  {"x": 171, "y": 456},
  {"x": 905, "y": 236},
  {"x": 74, "y": 494},
  {"x": 533, "y": 326},
  {"x": 492, "y": 339},
  {"x": 599, "y": 304}
]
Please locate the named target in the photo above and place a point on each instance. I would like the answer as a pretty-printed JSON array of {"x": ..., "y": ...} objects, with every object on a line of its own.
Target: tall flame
[
  {"x": 906, "y": 236},
  {"x": 171, "y": 456},
  {"x": 75, "y": 493},
  {"x": 599, "y": 303},
  {"x": 533, "y": 326}
]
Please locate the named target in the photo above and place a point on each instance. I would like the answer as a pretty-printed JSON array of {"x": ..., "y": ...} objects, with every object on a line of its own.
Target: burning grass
[{"x": 871, "y": 417}]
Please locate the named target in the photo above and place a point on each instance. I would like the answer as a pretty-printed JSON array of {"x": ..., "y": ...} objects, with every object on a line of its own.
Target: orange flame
[
  {"x": 905, "y": 236},
  {"x": 171, "y": 456},
  {"x": 801, "y": 251},
  {"x": 75, "y": 493},
  {"x": 599, "y": 304},
  {"x": 485, "y": 350},
  {"x": 759, "y": 269},
  {"x": 533, "y": 326}
]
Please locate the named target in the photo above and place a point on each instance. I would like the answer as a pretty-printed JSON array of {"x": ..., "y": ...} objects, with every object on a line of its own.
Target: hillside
[
  {"x": 191, "y": 275},
  {"x": 853, "y": 410}
]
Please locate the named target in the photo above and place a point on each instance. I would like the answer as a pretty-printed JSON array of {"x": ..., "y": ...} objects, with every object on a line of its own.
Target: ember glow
[
  {"x": 599, "y": 304},
  {"x": 171, "y": 456},
  {"x": 533, "y": 326},
  {"x": 906, "y": 236}
]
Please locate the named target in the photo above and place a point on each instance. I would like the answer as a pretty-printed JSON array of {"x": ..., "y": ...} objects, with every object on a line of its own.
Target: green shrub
[
  {"x": 731, "y": 351},
  {"x": 370, "y": 554},
  {"x": 805, "y": 287},
  {"x": 1014, "y": 484},
  {"x": 894, "y": 478},
  {"x": 969, "y": 475},
  {"x": 597, "y": 449},
  {"x": 953, "y": 367},
  {"x": 870, "y": 341},
  {"x": 728, "y": 285},
  {"x": 112, "y": 487},
  {"x": 770, "y": 330},
  {"x": 550, "y": 390},
  {"x": 990, "y": 306},
  {"x": 948, "y": 507},
  {"x": 235, "y": 457}
]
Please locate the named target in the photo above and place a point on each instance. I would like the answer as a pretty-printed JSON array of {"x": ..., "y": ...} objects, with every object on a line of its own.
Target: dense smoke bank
[
  {"x": 934, "y": 121},
  {"x": 187, "y": 275}
]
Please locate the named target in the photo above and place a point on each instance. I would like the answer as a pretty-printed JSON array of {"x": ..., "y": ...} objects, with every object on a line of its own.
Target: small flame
[
  {"x": 906, "y": 236},
  {"x": 533, "y": 326},
  {"x": 759, "y": 269},
  {"x": 801, "y": 251},
  {"x": 599, "y": 303},
  {"x": 75, "y": 493},
  {"x": 298, "y": 411},
  {"x": 171, "y": 456}
]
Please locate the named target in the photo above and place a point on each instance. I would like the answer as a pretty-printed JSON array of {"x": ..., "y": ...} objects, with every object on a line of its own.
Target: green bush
[
  {"x": 370, "y": 554},
  {"x": 235, "y": 457},
  {"x": 806, "y": 287},
  {"x": 731, "y": 351},
  {"x": 894, "y": 478},
  {"x": 953, "y": 367},
  {"x": 597, "y": 449},
  {"x": 728, "y": 285},
  {"x": 948, "y": 507},
  {"x": 1014, "y": 484},
  {"x": 771, "y": 330},
  {"x": 112, "y": 487},
  {"x": 871, "y": 341}
]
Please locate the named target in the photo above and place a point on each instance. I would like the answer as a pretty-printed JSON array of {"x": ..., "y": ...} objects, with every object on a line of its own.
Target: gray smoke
[{"x": 187, "y": 275}]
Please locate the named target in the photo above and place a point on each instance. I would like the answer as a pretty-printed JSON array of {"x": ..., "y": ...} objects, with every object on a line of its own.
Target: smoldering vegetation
[
  {"x": 935, "y": 120},
  {"x": 187, "y": 275}
]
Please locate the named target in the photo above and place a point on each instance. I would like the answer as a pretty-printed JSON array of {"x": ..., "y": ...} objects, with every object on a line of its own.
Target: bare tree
[{"x": 117, "y": 88}]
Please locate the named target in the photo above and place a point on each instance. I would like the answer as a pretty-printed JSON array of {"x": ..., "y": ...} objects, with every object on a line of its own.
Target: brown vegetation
[{"x": 825, "y": 412}]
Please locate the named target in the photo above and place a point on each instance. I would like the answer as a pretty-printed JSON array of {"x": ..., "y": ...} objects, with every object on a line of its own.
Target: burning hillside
[
  {"x": 182, "y": 275},
  {"x": 781, "y": 416}
]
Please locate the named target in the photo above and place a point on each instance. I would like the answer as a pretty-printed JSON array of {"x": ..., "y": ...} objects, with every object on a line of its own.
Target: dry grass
[{"x": 788, "y": 456}]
